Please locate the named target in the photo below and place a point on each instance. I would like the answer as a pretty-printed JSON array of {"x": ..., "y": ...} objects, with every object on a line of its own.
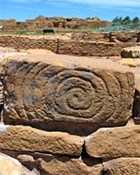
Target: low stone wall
[
  {"x": 69, "y": 115},
  {"x": 123, "y": 37},
  {"x": 88, "y": 48},
  {"x": 68, "y": 47},
  {"x": 19, "y": 42},
  {"x": 90, "y": 36}
]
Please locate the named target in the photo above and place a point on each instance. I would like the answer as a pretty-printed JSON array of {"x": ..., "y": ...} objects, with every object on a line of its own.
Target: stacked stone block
[{"x": 43, "y": 90}]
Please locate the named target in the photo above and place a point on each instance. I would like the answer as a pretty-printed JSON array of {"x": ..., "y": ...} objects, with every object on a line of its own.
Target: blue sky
[{"x": 104, "y": 9}]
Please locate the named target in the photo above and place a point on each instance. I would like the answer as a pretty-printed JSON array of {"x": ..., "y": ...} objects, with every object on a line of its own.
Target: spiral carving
[{"x": 37, "y": 91}]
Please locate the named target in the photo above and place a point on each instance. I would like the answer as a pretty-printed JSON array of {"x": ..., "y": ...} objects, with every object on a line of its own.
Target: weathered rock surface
[
  {"x": 114, "y": 142},
  {"x": 136, "y": 108},
  {"x": 1, "y": 93},
  {"x": 62, "y": 165},
  {"x": 38, "y": 51},
  {"x": 24, "y": 138},
  {"x": 90, "y": 36},
  {"x": 130, "y": 62},
  {"x": 9, "y": 165},
  {"x": 131, "y": 52},
  {"x": 63, "y": 44},
  {"x": 124, "y": 37},
  {"x": 30, "y": 172},
  {"x": 122, "y": 166},
  {"x": 67, "y": 89},
  {"x": 4, "y": 53}
]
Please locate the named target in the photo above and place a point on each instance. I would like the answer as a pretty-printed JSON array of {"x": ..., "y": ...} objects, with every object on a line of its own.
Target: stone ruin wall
[
  {"x": 54, "y": 22},
  {"x": 119, "y": 37},
  {"x": 68, "y": 115},
  {"x": 81, "y": 44}
]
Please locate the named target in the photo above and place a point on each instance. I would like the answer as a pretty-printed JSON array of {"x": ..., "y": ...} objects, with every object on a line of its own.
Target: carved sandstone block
[{"x": 67, "y": 89}]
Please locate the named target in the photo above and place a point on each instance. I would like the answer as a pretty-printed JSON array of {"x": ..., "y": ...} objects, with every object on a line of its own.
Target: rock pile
[
  {"x": 131, "y": 52},
  {"x": 68, "y": 115}
]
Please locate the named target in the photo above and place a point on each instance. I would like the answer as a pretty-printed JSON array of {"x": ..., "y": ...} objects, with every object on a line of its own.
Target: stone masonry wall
[
  {"x": 65, "y": 115},
  {"x": 53, "y": 22},
  {"x": 123, "y": 37},
  {"x": 19, "y": 42},
  {"x": 69, "y": 47}
]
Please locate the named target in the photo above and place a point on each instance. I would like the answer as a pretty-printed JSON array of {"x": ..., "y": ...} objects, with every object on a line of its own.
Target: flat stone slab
[
  {"x": 67, "y": 89},
  {"x": 114, "y": 142},
  {"x": 122, "y": 166},
  {"x": 131, "y": 52},
  {"x": 130, "y": 62},
  {"x": 55, "y": 165},
  {"x": 24, "y": 138}
]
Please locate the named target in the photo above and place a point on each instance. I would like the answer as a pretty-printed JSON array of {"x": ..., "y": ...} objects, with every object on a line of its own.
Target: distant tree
[
  {"x": 123, "y": 24},
  {"x": 126, "y": 21},
  {"x": 136, "y": 21},
  {"x": 88, "y": 18},
  {"x": 117, "y": 21}
]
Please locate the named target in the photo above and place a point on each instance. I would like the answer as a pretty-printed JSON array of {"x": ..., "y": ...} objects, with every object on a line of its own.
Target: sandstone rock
[
  {"x": 1, "y": 91},
  {"x": 125, "y": 37},
  {"x": 9, "y": 166},
  {"x": 28, "y": 172},
  {"x": 30, "y": 24},
  {"x": 5, "y": 53},
  {"x": 114, "y": 142},
  {"x": 90, "y": 36},
  {"x": 67, "y": 89},
  {"x": 96, "y": 18},
  {"x": 122, "y": 166},
  {"x": 8, "y": 24},
  {"x": 70, "y": 167},
  {"x": 62, "y": 165},
  {"x": 130, "y": 62},
  {"x": 131, "y": 52},
  {"x": 39, "y": 51},
  {"x": 24, "y": 138},
  {"x": 136, "y": 108},
  {"x": 26, "y": 160}
]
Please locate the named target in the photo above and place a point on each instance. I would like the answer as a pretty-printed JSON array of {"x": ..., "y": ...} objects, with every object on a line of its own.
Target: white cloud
[
  {"x": 24, "y": 1},
  {"x": 127, "y": 3},
  {"x": 109, "y": 3}
]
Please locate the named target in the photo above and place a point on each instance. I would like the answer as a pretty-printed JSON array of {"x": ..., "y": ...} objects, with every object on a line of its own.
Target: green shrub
[
  {"x": 120, "y": 24},
  {"x": 21, "y": 32},
  {"x": 39, "y": 32}
]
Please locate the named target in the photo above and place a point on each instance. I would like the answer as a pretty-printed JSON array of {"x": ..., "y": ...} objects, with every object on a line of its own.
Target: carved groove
[{"x": 54, "y": 93}]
